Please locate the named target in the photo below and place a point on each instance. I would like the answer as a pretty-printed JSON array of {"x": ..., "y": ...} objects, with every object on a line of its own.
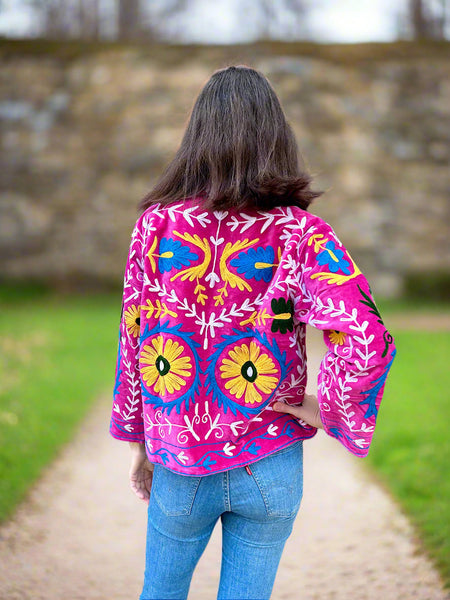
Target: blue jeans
[{"x": 257, "y": 511}]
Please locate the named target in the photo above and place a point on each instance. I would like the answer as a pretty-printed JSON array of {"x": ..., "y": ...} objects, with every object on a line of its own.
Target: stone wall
[{"x": 85, "y": 132}]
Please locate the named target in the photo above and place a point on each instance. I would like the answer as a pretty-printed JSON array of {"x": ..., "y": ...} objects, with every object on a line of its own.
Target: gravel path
[{"x": 81, "y": 533}]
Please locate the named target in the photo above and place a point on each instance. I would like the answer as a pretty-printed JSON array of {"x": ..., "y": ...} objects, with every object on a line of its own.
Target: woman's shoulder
[
  {"x": 285, "y": 216},
  {"x": 295, "y": 217}
]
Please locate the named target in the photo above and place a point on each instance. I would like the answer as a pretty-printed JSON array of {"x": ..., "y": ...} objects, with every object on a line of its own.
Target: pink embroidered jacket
[{"x": 212, "y": 333}]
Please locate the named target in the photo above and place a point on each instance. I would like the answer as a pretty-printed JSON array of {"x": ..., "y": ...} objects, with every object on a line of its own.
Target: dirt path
[{"x": 81, "y": 533}]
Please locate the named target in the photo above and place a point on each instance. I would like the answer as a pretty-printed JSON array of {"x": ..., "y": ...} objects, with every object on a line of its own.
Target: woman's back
[{"x": 213, "y": 328}]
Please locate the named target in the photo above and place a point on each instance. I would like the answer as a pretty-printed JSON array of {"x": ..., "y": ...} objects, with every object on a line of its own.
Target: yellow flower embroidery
[
  {"x": 248, "y": 373},
  {"x": 132, "y": 318},
  {"x": 337, "y": 337},
  {"x": 165, "y": 369}
]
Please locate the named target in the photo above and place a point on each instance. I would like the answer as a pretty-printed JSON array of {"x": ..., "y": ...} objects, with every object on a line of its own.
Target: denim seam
[
  {"x": 178, "y": 539},
  {"x": 256, "y": 544},
  {"x": 261, "y": 490},
  {"x": 226, "y": 489},
  {"x": 249, "y": 520},
  {"x": 193, "y": 494}
]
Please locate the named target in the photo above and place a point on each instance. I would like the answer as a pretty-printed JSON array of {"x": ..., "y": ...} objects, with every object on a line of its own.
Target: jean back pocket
[
  {"x": 279, "y": 477},
  {"x": 174, "y": 493}
]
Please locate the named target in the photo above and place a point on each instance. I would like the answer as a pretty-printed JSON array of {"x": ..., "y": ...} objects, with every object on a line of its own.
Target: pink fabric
[{"x": 212, "y": 333}]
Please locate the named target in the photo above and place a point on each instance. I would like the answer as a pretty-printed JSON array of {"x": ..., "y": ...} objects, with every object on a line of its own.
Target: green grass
[
  {"x": 56, "y": 356},
  {"x": 412, "y": 305},
  {"x": 411, "y": 448}
]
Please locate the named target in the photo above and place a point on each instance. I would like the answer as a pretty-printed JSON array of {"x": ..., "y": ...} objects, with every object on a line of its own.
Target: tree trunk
[
  {"x": 128, "y": 19},
  {"x": 420, "y": 22}
]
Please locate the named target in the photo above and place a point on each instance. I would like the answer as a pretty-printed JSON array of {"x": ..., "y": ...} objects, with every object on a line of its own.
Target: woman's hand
[
  {"x": 307, "y": 411},
  {"x": 141, "y": 472}
]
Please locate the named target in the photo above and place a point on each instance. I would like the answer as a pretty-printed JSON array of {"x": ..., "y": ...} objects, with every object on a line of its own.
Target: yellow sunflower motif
[
  {"x": 248, "y": 372},
  {"x": 165, "y": 368},
  {"x": 337, "y": 337},
  {"x": 133, "y": 319}
]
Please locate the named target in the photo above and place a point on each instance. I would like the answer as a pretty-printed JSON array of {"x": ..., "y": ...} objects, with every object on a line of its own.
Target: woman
[{"x": 226, "y": 267}]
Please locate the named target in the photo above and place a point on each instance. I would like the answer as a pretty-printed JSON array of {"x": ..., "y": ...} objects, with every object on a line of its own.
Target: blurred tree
[
  {"x": 425, "y": 19},
  {"x": 420, "y": 21},
  {"x": 128, "y": 19},
  {"x": 156, "y": 15},
  {"x": 92, "y": 19},
  {"x": 282, "y": 19},
  {"x": 157, "y": 19},
  {"x": 60, "y": 19}
]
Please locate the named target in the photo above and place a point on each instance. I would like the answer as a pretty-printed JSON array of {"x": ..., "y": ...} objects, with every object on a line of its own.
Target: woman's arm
[
  {"x": 141, "y": 472},
  {"x": 334, "y": 296},
  {"x": 126, "y": 418}
]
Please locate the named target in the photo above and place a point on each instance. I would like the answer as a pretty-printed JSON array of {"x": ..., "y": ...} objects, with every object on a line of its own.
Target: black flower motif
[{"x": 283, "y": 310}]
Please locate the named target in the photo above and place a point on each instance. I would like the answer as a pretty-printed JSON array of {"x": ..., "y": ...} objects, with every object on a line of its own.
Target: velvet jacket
[{"x": 212, "y": 333}]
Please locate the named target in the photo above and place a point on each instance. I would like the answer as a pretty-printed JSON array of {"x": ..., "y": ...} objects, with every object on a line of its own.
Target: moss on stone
[{"x": 339, "y": 53}]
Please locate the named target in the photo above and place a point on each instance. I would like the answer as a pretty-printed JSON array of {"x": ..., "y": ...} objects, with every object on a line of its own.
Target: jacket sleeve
[
  {"x": 126, "y": 419},
  {"x": 336, "y": 298}
]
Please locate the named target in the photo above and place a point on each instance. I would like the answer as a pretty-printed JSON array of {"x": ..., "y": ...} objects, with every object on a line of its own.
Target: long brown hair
[{"x": 237, "y": 151}]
